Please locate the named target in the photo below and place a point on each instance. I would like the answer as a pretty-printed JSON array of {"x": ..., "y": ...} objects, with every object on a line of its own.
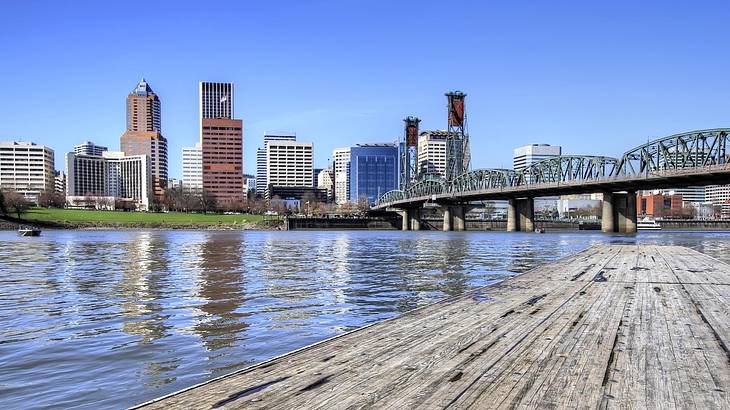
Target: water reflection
[{"x": 109, "y": 319}]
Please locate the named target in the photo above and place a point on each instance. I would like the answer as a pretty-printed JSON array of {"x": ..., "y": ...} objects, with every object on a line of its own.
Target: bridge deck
[{"x": 613, "y": 326}]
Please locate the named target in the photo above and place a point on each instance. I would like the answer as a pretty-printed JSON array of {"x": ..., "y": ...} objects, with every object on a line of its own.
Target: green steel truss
[{"x": 694, "y": 149}]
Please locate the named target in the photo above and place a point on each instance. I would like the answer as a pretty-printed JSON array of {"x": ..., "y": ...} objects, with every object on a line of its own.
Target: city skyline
[{"x": 529, "y": 76}]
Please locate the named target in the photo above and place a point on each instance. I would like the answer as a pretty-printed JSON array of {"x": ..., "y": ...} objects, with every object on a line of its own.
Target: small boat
[
  {"x": 648, "y": 224},
  {"x": 539, "y": 230},
  {"x": 29, "y": 231}
]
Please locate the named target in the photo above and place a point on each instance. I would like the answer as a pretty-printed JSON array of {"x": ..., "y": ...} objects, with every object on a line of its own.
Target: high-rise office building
[
  {"x": 717, "y": 194},
  {"x": 326, "y": 180},
  {"x": 216, "y": 100},
  {"x": 289, "y": 163},
  {"x": 89, "y": 148},
  {"x": 373, "y": 171},
  {"x": 221, "y": 139},
  {"x": 341, "y": 167},
  {"x": 60, "y": 182},
  {"x": 527, "y": 155},
  {"x": 432, "y": 153},
  {"x": 144, "y": 133},
  {"x": 113, "y": 175},
  {"x": 192, "y": 168},
  {"x": 261, "y": 178},
  {"x": 27, "y": 168}
]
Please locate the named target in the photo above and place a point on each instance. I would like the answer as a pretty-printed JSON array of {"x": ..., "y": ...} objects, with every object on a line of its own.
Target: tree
[
  {"x": 363, "y": 204},
  {"x": 51, "y": 199},
  {"x": 3, "y": 207},
  {"x": 16, "y": 202},
  {"x": 207, "y": 201}
]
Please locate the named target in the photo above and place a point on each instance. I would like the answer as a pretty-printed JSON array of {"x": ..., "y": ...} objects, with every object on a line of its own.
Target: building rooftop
[{"x": 143, "y": 89}]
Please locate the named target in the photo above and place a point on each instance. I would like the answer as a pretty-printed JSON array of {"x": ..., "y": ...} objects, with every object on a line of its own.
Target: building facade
[
  {"x": 341, "y": 168},
  {"x": 113, "y": 175},
  {"x": 373, "y": 171},
  {"x": 326, "y": 181},
  {"x": 527, "y": 155},
  {"x": 216, "y": 100},
  {"x": 261, "y": 165},
  {"x": 89, "y": 148},
  {"x": 222, "y": 158},
  {"x": 717, "y": 194},
  {"x": 60, "y": 182},
  {"x": 432, "y": 153},
  {"x": 144, "y": 133},
  {"x": 221, "y": 141},
  {"x": 289, "y": 164},
  {"x": 192, "y": 168},
  {"x": 660, "y": 205},
  {"x": 27, "y": 168}
]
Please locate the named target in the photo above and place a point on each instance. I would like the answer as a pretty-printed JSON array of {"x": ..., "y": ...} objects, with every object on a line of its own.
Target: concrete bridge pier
[
  {"x": 447, "y": 218},
  {"x": 405, "y": 220},
  {"x": 619, "y": 212},
  {"x": 521, "y": 215},
  {"x": 459, "y": 212},
  {"x": 415, "y": 219}
]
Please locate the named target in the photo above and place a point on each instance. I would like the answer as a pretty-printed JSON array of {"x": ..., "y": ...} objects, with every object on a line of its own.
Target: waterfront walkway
[{"x": 622, "y": 326}]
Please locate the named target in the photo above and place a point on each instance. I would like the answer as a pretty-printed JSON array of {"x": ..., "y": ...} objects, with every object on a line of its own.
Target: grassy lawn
[{"x": 119, "y": 217}]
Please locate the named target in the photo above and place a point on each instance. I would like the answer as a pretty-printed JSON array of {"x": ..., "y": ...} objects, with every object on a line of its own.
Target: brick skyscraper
[
  {"x": 221, "y": 138},
  {"x": 144, "y": 133}
]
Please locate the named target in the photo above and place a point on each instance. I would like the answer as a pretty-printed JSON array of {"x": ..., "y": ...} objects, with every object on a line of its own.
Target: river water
[{"x": 92, "y": 319}]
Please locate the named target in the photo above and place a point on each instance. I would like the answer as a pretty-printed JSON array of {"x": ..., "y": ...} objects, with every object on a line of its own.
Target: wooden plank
[{"x": 629, "y": 326}]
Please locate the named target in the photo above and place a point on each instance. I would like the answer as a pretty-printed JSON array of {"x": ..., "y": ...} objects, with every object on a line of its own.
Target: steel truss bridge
[{"x": 690, "y": 158}]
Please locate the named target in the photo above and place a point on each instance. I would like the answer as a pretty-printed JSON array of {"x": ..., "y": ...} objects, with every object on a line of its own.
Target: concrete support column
[
  {"x": 405, "y": 220},
  {"x": 527, "y": 215},
  {"x": 607, "y": 221},
  {"x": 415, "y": 219},
  {"x": 447, "y": 218},
  {"x": 631, "y": 212},
  {"x": 459, "y": 218},
  {"x": 512, "y": 219},
  {"x": 625, "y": 212}
]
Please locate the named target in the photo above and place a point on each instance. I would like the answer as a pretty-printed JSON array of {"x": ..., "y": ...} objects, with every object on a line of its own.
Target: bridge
[{"x": 680, "y": 160}]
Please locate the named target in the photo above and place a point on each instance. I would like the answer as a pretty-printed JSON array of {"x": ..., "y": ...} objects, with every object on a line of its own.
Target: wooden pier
[{"x": 619, "y": 326}]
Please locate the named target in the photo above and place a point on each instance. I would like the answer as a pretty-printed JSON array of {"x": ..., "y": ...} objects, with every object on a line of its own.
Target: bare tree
[
  {"x": 16, "y": 202},
  {"x": 207, "y": 201},
  {"x": 3, "y": 206}
]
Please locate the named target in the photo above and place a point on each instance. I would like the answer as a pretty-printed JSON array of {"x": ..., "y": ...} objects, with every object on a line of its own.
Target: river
[{"x": 96, "y": 319}]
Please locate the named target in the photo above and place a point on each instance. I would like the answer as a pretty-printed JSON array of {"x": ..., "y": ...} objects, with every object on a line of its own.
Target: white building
[
  {"x": 529, "y": 154},
  {"x": 289, "y": 163},
  {"x": 216, "y": 100},
  {"x": 341, "y": 168},
  {"x": 261, "y": 165},
  {"x": 432, "y": 153},
  {"x": 60, "y": 182},
  {"x": 113, "y": 175},
  {"x": 326, "y": 180},
  {"x": 249, "y": 183},
  {"x": 192, "y": 168},
  {"x": 717, "y": 194},
  {"x": 27, "y": 168},
  {"x": 89, "y": 148}
]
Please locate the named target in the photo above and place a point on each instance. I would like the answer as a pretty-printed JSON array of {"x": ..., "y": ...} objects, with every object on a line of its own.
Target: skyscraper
[
  {"x": 221, "y": 139},
  {"x": 261, "y": 165},
  {"x": 192, "y": 168},
  {"x": 432, "y": 152},
  {"x": 529, "y": 154},
  {"x": 373, "y": 171},
  {"x": 341, "y": 158},
  {"x": 144, "y": 133},
  {"x": 89, "y": 148}
]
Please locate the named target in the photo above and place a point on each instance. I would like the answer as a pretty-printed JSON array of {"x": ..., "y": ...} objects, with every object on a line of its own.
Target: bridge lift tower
[
  {"x": 409, "y": 153},
  {"x": 458, "y": 156}
]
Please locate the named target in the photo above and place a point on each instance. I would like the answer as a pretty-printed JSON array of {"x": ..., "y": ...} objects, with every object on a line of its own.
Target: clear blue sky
[{"x": 593, "y": 78}]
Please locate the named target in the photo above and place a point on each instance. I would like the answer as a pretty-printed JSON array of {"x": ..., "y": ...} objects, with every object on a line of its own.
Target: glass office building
[{"x": 373, "y": 170}]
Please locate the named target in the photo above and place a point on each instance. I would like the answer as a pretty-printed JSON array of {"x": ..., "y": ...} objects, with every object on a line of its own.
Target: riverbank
[{"x": 92, "y": 219}]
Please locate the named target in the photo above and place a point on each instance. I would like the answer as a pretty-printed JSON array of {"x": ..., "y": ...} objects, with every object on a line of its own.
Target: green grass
[{"x": 119, "y": 217}]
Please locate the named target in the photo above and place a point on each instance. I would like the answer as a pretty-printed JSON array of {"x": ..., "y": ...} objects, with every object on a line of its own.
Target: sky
[{"x": 594, "y": 78}]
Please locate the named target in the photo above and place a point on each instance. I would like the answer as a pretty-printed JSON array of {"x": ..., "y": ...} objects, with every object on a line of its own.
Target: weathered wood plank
[{"x": 627, "y": 326}]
